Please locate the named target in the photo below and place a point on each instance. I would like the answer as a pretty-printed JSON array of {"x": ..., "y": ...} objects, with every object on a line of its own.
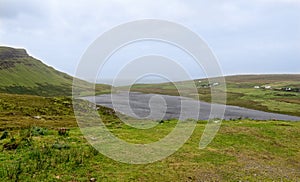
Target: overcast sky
[{"x": 257, "y": 36}]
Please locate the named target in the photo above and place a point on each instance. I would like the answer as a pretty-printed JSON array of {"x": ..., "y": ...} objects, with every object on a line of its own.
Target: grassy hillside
[
  {"x": 241, "y": 92},
  {"x": 279, "y": 79},
  {"x": 23, "y": 74},
  {"x": 33, "y": 150}
]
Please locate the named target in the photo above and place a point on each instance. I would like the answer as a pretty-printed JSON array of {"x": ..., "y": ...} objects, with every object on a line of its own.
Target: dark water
[{"x": 168, "y": 107}]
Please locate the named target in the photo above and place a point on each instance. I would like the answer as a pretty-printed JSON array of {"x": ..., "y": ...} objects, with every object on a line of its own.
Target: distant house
[
  {"x": 256, "y": 86},
  {"x": 215, "y": 84},
  {"x": 208, "y": 85},
  {"x": 267, "y": 87},
  {"x": 289, "y": 89}
]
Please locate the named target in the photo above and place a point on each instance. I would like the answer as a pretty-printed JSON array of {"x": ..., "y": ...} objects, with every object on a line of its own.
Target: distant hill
[
  {"x": 284, "y": 79},
  {"x": 21, "y": 73}
]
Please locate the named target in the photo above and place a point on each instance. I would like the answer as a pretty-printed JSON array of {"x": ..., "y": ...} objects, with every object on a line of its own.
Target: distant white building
[
  {"x": 288, "y": 89},
  {"x": 267, "y": 87}
]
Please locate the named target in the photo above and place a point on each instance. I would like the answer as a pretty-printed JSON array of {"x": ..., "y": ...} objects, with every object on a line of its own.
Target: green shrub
[
  {"x": 12, "y": 144},
  {"x": 63, "y": 132},
  {"x": 36, "y": 131},
  {"x": 60, "y": 146},
  {"x": 4, "y": 135}
]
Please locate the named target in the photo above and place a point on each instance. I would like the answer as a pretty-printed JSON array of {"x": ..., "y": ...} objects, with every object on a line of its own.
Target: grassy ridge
[
  {"x": 23, "y": 74},
  {"x": 242, "y": 150}
]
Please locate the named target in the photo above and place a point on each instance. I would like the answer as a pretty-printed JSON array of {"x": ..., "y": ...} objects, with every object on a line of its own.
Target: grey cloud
[
  {"x": 58, "y": 32},
  {"x": 13, "y": 8}
]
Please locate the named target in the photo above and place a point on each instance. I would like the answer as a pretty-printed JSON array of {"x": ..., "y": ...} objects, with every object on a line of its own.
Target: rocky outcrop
[
  {"x": 9, "y": 57},
  {"x": 11, "y": 53}
]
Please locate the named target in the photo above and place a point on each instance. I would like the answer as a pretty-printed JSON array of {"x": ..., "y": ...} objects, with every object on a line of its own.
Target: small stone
[{"x": 92, "y": 179}]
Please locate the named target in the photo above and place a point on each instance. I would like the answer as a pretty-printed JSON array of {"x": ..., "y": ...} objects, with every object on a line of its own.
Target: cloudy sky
[{"x": 257, "y": 36}]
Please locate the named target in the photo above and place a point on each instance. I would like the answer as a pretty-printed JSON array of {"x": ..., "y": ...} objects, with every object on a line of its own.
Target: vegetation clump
[
  {"x": 36, "y": 131},
  {"x": 63, "y": 131},
  {"x": 4, "y": 135}
]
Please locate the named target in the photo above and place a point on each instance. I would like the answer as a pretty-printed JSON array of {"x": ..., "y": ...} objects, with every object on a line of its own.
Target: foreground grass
[
  {"x": 242, "y": 150},
  {"x": 33, "y": 150}
]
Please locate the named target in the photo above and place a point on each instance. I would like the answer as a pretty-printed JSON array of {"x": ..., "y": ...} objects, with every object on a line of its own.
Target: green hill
[{"x": 21, "y": 73}]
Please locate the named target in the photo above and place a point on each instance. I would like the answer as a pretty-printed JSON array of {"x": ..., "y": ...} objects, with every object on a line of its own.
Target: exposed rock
[
  {"x": 37, "y": 117},
  {"x": 6, "y": 64},
  {"x": 9, "y": 57},
  {"x": 92, "y": 179},
  {"x": 9, "y": 53}
]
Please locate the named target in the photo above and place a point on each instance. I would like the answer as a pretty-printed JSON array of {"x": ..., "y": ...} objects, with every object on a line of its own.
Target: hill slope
[{"x": 22, "y": 74}]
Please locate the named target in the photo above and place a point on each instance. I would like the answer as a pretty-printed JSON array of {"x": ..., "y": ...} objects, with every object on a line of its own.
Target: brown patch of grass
[
  {"x": 239, "y": 129},
  {"x": 264, "y": 166},
  {"x": 289, "y": 100},
  {"x": 21, "y": 122}
]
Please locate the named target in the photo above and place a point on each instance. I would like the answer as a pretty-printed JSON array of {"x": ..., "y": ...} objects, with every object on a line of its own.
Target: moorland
[{"x": 40, "y": 139}]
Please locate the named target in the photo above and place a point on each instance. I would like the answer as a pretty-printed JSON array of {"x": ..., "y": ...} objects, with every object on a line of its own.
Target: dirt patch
[
  {"x": 206, "y": 176},
  {"x": 240, "y": 130},
  {"x": 263, "y": 166}
]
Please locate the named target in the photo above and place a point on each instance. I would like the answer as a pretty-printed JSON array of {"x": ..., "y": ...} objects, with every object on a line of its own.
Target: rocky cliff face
[
  {"x": 9, "y": 57},
  {"x": 10, "y": 53}
]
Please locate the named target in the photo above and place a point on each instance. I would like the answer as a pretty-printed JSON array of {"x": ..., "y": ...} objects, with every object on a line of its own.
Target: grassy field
[
  {"x": 32, "y": 149},
  {"x": 241, "y": 92}
]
